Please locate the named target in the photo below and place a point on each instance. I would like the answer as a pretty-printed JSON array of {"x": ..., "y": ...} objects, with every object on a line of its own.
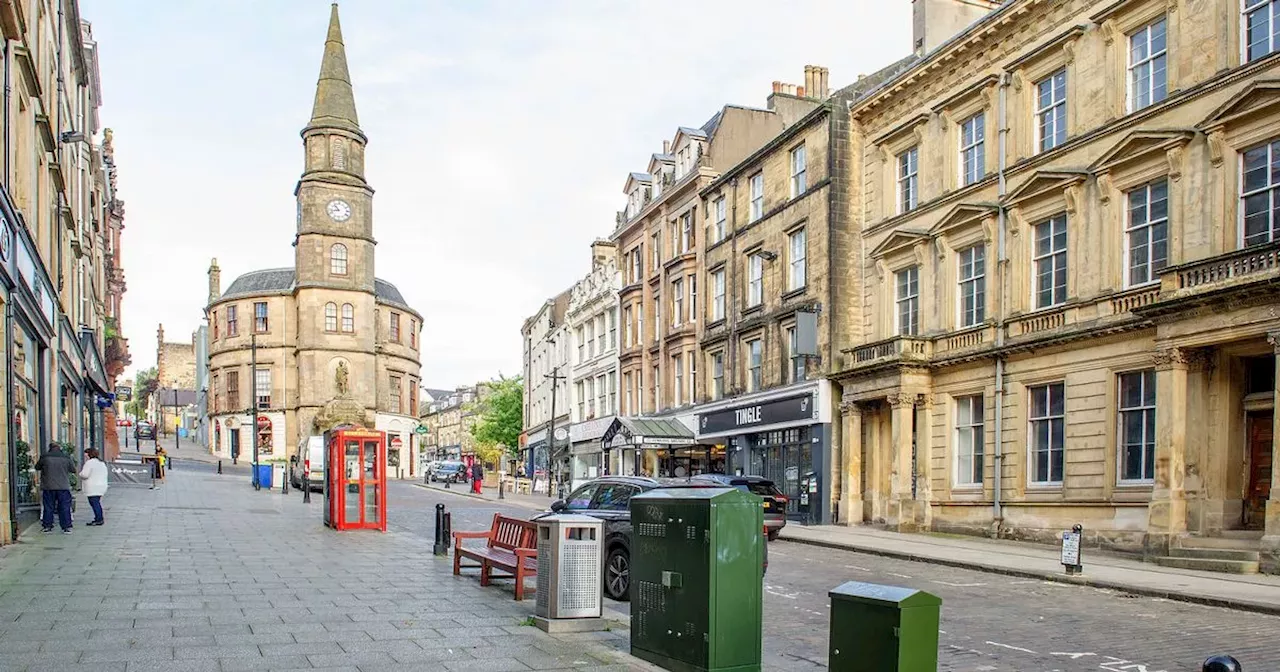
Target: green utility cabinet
[
  {"x": 877, "y": 628},
  {"x": 697, "y": 576}
]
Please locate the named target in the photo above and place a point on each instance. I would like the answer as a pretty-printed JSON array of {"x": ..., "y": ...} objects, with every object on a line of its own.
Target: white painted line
[
  {"x": 1013, "y": 648},
  {"x": 959, "y": 585},
  {"x": 900, "y": 576},
  {"x": 860, "y": 569},
  {"x": 1072, "y": 656}
]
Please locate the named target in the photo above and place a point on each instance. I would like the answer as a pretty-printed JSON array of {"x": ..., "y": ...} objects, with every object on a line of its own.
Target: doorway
[
  {"x": 1258, "y": 435},
  {"x": 235, "y": 444}
]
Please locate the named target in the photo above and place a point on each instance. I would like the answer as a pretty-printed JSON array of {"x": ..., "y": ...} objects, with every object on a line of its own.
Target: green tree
[
  {"x": 501, "y": 414},
  {"x": 144, "y": 385}
]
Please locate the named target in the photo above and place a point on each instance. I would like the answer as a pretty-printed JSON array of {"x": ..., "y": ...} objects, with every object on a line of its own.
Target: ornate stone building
[
  {"x": 592, "y": 323},
  {"x": 1067, "y": 242},
  {"x": 295, "y": 351}
]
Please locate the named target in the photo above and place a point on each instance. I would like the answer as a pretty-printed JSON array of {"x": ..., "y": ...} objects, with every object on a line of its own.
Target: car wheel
[
  {"x": 617, "y": 575},
  {"x": 773, "y": 534}
]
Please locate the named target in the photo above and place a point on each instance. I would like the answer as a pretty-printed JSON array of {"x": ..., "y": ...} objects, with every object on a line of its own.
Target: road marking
[
  {"x": 900, "y": 576},
  {"x": 773, "y": 591},
  {"x": 1072, "y": 656},
  {"x": 860, "y": 569},
  {"x": 1011, "y": 647},
  {"x": 959, "y": 585}
]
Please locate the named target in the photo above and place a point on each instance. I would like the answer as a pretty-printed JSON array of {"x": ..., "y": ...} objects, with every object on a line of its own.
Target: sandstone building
[
  {"x": 295, "y": 351},
  {"x": 1067, "y": 246}
]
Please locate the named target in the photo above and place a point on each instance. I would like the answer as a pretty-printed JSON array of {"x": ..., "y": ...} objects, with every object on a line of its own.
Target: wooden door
[{"x": 1259, "y": 435}]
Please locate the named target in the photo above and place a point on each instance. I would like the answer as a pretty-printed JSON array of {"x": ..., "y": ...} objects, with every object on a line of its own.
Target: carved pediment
[
  {"x": 962, "y": 215},
  {"x": 912, "y": 125},
  {"x": 1262, "y": 95},
  {"x": 1045, "y": 182},
  {"x": 1140, "y": 144},
  {"x": 899, "y": 240}
]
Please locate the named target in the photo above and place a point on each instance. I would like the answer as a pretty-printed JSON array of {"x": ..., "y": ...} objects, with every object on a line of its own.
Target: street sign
[
  {"x": 1071, "y": 550},
  {"x": 264, "y": 422},
  {"x": 396, "y": 442},
  {"x": 422, "y": 429},
  {"x": 124, "y": 393}
]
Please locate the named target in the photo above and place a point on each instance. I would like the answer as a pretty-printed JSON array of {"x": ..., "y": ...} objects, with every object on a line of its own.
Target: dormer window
[
  {"x": 633, "y": 202},
  {"x": 683, "y": 161}
]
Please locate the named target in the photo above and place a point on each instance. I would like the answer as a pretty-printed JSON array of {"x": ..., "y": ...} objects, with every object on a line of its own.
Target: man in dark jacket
[{"x": 55, "y": 485}]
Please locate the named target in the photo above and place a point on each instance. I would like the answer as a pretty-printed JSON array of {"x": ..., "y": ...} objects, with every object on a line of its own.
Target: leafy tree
[
  {"x": 144, "y": 385},
  {"x": 501, "y": 414}
]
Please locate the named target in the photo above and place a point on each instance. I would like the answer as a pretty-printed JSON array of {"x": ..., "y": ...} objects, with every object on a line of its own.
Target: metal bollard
[
  {"x": 1222, "y": 664},
  {"x": 219, "y": 467},
  {"x": 502, "y": 485},
  {"x": 284, "y": 484},
  {"x": 439, "y": 548},
  {"x": 448, "y": 529},
  {"x": 447, "y": 478},
  {"x": 306, "y": 486}
]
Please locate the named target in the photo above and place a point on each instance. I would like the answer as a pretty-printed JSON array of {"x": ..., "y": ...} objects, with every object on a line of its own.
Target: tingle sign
[{"x": 748, "y": 416}]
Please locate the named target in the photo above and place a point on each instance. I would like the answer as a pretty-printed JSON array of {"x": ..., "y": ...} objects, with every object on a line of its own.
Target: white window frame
[
  {"x": 717, "y": 375},
  {"x": 967, "y": 424},
  {"x": 1055, "y": 109},
  {"x": 262, "y": 381},
  {"x": 973, "y": 144},
  {"x": 793, "y": 364},
  {"x": 906, "y": 288},
  {"x": 755, "y": 365},
  {"x": 1054, "y": 257},
  {"x": 798, "y": 253},
  {"x": 971, "y": 278},
  {"x": 626, "y": 327},
  {"x": 630, "y": 393},
  {"x": 1155, "y": 86},
  {"x": 908, "y": 179},
  {"x": 677, "y": 302},
  {"x": 1271, "y": 189},
  {"x": 677, "y": 379},
  {"x": 755, "y": 280},
  {"x": 799, "y": 171},
  {"x": 1152, "y": 264},
  {"x": 582, "y": 344},
  {"x": 717, "y": 295},
  {"x": 686, "y": 231},
  {"x": 757, "y": 196},
  {"x": 720, "y": 229},
  {"x": 1249, "y": 7},
  {"x": 1145, "y": 410},
  {"x": 655, "y": 241},
  {"x": 1049, "y": 417}
]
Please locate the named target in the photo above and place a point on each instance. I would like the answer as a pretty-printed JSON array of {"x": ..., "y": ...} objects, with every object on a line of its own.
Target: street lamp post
[
  {"x": 555, "y": 377},
  {"x": 177, "y": 422},
  {"x": 253, "y": 405}
]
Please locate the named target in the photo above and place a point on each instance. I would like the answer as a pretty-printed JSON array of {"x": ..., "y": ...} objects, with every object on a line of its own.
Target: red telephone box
[{"x": 355, "y": 479}]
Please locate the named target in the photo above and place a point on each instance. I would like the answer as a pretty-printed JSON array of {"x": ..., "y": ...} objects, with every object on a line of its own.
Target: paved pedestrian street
[{"x": 207, "y": 574}]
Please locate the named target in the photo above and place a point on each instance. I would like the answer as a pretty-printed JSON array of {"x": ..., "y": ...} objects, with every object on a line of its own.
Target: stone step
[
  {"x": 1209, "y": 565},
  {"x": 1255, "y": 535},
  {"x": 1241, "y": 555},
  {"x": 1242, "y": 543}
]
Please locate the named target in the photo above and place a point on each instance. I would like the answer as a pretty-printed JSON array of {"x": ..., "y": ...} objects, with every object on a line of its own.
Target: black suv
[
  {"x": 775, "y": 503},
  {"x": 609, "y": 499}
]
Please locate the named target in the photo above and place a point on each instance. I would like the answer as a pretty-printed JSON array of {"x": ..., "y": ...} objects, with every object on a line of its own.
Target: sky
[{"x": 501, "y": 134}]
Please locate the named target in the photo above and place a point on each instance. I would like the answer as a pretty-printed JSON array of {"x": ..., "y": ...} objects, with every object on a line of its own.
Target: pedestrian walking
[
  {"x": 55, "y": 488},
  {"x": 477, "y": 475},
  {"x": 94, "y": 474}
]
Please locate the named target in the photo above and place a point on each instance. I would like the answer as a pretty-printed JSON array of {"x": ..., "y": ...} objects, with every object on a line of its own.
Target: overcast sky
[{"x": 501, "y": 133}]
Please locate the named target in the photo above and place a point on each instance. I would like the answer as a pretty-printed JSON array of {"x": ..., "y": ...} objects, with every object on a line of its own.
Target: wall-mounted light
[
  {"x": 767, "y": 255},
  {"x": 68, "y": 137}
]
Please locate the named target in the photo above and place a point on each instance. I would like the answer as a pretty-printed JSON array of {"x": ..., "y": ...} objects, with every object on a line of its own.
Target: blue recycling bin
[{"x": 264, "y": 474}]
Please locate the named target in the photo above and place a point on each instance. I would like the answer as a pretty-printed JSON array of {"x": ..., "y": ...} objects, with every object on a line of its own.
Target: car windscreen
[{"x": 761, "y": 488}]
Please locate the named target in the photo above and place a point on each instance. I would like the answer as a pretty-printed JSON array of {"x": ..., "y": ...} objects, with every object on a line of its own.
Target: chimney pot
[
  {"x": 823, "y": 85},
  {"x": 666, "y": 146},
  {"x": 800, "y": 91},
  {"x": 808, "y": 78},
  {"x": 777, "y": 86}
]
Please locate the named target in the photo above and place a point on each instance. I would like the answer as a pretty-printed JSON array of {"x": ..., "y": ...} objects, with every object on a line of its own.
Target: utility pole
[
  {"x": 253, "y": 405},
  {"x": 177, "y": 422},
  {"x": 555, "y": 377}
]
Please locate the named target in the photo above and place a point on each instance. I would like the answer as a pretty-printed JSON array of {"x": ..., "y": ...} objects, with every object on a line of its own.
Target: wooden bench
[{"x": 511, "y": 547}]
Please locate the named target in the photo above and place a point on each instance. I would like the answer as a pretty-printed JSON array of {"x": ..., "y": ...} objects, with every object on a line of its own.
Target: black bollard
[
  {"x": 306, "y": 486},
  {"x": 447, "y": 478},
  {"x": 502, "y": 485},
  {"x": 1222, "y": 664},
  {"x": 448, "y": 529},
  {"x": 440, "y": 548},
  {"x": 219, "y": 467},
  {"x": 284, "y": 483}
]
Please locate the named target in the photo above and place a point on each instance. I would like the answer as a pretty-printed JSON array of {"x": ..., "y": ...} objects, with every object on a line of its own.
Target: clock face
[{"x": 338, "y": 210}]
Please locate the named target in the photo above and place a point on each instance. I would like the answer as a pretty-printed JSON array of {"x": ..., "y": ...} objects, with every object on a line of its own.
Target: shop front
[
  {"x": 654, "y": 447},
  {"x": 783, "y": 435},
  {"x": 587, "y": 452},
  {"x": 8, "y": 463}
]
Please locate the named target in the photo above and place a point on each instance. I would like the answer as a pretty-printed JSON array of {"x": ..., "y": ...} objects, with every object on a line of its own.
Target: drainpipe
[
  {"x": 731, "y": 312},
  {"x": 1002, "y": 263},
  {"x": 8, "y": 91}
]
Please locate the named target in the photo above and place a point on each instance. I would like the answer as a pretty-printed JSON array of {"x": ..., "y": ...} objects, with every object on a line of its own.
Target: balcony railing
[
  {"x": 1037, "y": 322},
  {"x": 1251, "y": 263},
  {"x": 898, "y": 347}
]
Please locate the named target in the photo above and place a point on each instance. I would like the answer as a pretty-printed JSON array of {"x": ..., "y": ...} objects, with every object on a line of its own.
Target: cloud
[{"x": 500, "y": 136}]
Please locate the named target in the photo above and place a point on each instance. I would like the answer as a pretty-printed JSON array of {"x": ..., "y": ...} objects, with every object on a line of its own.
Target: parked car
[
  {"x": 310, "y": 461},
  {"x": 452, "y": 472},
  {"x": 609, "y": 499},
  {"x": 144, "y": 430},
  {"x": 775, "y": 503}
]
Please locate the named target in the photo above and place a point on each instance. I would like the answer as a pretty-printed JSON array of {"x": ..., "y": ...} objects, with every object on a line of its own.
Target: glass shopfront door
[{"x": 784, "y": 457}]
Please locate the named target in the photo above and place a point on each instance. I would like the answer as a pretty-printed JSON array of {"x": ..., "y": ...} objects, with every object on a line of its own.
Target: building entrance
[{"x": 1259, "y": 434}]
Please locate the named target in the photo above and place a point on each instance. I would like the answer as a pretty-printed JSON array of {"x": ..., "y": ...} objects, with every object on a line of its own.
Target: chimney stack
[
  {"x": 809, "y": 84},
  {"x": 215, "y": 280},
  {"x": 666, "y": 146},
  {"x": 603, "y": 251},
  {"x": 933, "y": 22}
]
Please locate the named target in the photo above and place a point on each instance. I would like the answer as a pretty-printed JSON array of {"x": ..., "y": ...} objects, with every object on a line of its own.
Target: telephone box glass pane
[
  {"x": 371, "y": 488},
  {"x": 352, "y": 475}
]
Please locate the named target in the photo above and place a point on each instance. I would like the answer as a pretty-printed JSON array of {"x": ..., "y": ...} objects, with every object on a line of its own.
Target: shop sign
[
  {"x": 6, "y": 239},
  {"x": 771, "y": 412},
  {"x": 396, "y": 443},
  {"x": 124, "y": 393}
]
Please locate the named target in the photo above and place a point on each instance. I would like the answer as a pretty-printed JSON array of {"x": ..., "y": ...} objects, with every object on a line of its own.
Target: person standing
[
  {"x": 477, "y": 475},
  {"x": 162, "y": 461},
  {"x": 94, "y": 474},
  {"x": 55, "y": 488}
]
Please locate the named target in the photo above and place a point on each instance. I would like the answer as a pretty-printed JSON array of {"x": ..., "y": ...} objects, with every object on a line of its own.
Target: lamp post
[
  {"x": 253, "y": 405},
  {"x": 555, "y": 377},
  {"x": 177, "y": 422}
]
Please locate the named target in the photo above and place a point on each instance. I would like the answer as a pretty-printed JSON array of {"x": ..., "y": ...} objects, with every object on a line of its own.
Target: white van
[{"x": 310, "y": 458}]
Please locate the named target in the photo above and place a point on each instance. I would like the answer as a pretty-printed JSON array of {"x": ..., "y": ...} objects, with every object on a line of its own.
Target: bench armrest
[
  {"x": 470, "y": 535},
  {"x": 526, "y": 552}
]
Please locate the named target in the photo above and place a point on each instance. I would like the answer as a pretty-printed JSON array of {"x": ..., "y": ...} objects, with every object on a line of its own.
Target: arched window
[
  {"x": 330, "y": 317},
  {"x": 348, "y": 317},
  {"x": 338, "y": 259}
]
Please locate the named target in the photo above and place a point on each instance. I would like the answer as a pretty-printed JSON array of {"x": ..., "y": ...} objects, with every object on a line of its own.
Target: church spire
[{"x": 335, "y": 104}]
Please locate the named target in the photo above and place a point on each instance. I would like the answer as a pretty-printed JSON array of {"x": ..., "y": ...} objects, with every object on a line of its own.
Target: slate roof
[
  {"x": 693, "y": 132},
  {"x": 281, "y": 281},
  {"x": 713, "y": 123}
]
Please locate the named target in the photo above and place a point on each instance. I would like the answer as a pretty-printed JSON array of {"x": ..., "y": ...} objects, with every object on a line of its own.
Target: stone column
[
  {"x": 850, "y": 464},
  {"x": 1167, "y": 513},
  {"x": 924, "y": 462},
  {"x": 903, "y": 412},
  {"x": 1271, "y": 532}
]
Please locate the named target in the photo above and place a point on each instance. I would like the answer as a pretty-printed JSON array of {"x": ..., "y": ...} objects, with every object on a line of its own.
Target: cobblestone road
[{"x": 990, "y": 623}]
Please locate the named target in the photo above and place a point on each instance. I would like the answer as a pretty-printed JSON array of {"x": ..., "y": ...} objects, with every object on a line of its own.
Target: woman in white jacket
[{"x": 94, "y": 474}]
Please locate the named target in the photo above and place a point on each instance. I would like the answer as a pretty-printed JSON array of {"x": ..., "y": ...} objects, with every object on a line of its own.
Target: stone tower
[{"x": 334, "y": 246}]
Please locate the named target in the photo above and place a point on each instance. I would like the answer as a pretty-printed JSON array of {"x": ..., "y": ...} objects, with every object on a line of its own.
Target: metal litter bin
[{"x": 570, "y": 567}]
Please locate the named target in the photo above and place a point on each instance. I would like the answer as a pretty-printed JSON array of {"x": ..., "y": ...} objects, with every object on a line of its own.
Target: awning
[
  {"x": 642, "y": 431},
  {"x": 589, "y": 430}
]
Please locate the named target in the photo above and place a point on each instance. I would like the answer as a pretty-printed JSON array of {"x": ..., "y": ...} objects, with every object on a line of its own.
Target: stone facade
[
  {"x": 175, "y": 362},
  {"x": 546, "y": 394},
  {"x": 1062, "y": 318},
  {"x": 592, "y": 323},
  {"x": 332, "y": 343}
]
